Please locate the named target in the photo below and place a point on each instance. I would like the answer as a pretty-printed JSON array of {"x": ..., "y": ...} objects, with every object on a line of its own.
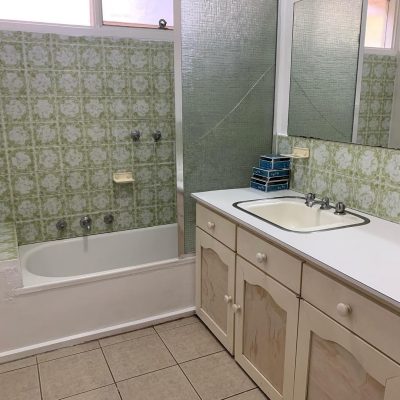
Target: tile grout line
[
  {"x": 40, "y": 381},
  {"x": 112, "y": 375},
  {"x": 86, "y": 391}
]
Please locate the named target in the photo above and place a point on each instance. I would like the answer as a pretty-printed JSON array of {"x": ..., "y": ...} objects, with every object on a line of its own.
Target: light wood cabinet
[
  {"x": 299, "y": 334},
  {"x": 215, "y": 287},
  {"x": 266, "y": 330},
  {"x": 334, "y": 364}
]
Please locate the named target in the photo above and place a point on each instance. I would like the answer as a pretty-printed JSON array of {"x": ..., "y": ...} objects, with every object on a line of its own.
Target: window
[
  {"x": 146, "y": 13},
  {"x": 47, "y": 11},
  {"x": 380, "y": 24}
]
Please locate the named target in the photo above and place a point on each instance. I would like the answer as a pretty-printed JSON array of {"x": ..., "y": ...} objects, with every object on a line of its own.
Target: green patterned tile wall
[
  {"x": 365, "y": 178},
  {"x": 377, "y": 88},
  {"x": 67, "y": 107}
]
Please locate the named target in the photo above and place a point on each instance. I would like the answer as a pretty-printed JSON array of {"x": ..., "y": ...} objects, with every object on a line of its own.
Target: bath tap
[{"x": 86, "y": 223}]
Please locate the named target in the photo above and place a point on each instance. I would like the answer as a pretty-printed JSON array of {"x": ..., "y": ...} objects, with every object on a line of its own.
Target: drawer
[
  {"x": 216, "y": 225},
  {"x": 374, "y": 323},
  {"x": 275, "y": 262}
]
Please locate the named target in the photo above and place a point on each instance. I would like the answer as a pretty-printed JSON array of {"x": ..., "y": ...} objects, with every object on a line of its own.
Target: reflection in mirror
[{"x": 339, "y": 91}]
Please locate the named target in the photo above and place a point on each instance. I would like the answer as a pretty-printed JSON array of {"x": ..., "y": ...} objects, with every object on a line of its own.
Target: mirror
[{"x": 340, "y": 91}]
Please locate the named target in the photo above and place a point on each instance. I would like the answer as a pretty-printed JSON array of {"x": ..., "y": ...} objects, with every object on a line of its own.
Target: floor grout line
[
  {"x": 87, "y": 391},
  {"x": 69, "y": 355},
  {"x": 40, "y": 380}
]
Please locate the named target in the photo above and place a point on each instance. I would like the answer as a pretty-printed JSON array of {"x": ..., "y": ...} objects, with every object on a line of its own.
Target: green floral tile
[
  {"x": 165, "y": 152},
  {"x": 75, "y": 180},
  {"x": 36, "y": 37},
  {"x": 6, "y": 211},
  {"x": 38, "y": 55},
  {"x": 117, "y": 83},
  {"x": 166, "y": 174},
  {"x": 343, "y": 158},
  {"x": 67, "y": 83},
  {"x": 319, "y": 182},
  {"x": 9, "y": 36},
  {"x": 121, "y": 156},
  {"x": 139, "y": 59},
  {"x": 92, "y": 83},
  {"x": 141, "y": 84},
  {"x": 368, "y": 163},
  {"x": 300, "y": 178},
  {"x": 18, "y": 135},
  {"x": 74, "y": 157},
  {"x": 43, "y": 109},
  {"x": 146, "y": 216},
  {"x": 101, "y": 201},
  {"x": 4, "y": 187},
  {"x": 124, "y": 196},
  {"x": 391, "y": 167},
  {"x": 29, "y": 232},
  {"x": 121, "y": 131},
  {"x": 389, "y": 203},
  {"x": 116, "y": 58},
  {"x": 50, "y": 231},
  {"x": 98, "y": 224},
  {"x": 50, "y": 182},
  {"x": 161, "y": 60},
  {"x": 166, "y": 194},
  {"x": 166, "y": 127},
  {"x": 124, "y": 220},
  {"x": 90, "y": 58},
  {"x": 321, "y": 155},
  {"x": 8, "y": 242},
  {"x": 48, "y": 158},
  {"x": 166, "y": 214},
  {"x": 94, "y": 108},
  {"x": 15, "y": 110},
  {"x": 144, "y": 153},
  {"x": 65, "y": 56},
  {"x": 27, "y": 208},
  {"x": 11, "y": 55},
  {"x": 98, "y": 156},
  {"x": 69, "y": 108},
  {"x": 77, "y": 203},
  {"x": 365, "y": 196},
  {"x": 23, "y": 185},
  {"x": 100, "y": 179},
  {"x": 96, "y": 132},
  {"x": 163, "y": 107},
  {"x": 41, "y": 83},
  {"x": 21, "y": 160},
  {"x": 341, "y": 188},
  {"x": 163, "y": 84},
  {"x": 145, "y": 196},
  {"x": 141, "y": 107},
  {"x": 52, "y": 206},
  {"x": 118, "y": 108},
  {"x": 45, "y": 134},
  {"x": 12, "y": 83},
  {"x": 72, "y": 133},
  {"x": 146, "y": 174}
]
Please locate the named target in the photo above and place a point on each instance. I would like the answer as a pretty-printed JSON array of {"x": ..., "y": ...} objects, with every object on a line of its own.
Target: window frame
[
  {"x": 96, "y": 29},
  {"x": 392, "y": 40}
]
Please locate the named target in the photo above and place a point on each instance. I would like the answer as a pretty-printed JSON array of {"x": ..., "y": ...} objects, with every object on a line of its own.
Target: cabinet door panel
[
  {"x": 266, "y": 330},
  {"x": 334, "y": 364},
  {"x": 215, "y": 277}
]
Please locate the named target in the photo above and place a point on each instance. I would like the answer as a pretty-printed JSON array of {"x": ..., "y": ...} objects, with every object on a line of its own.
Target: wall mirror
[{"x": 344, "y": 84}]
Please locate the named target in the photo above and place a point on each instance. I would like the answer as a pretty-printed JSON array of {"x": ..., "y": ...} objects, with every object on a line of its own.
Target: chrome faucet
[
  {"x": 86, "y": 223},
  {"x": 310, "y": 201}
]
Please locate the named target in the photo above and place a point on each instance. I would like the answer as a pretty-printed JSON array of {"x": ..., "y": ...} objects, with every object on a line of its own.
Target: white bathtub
[{"x": 84, "y": 288}]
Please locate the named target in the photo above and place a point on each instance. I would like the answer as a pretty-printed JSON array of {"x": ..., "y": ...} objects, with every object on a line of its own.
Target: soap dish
[{"x": 123, "y": 177}]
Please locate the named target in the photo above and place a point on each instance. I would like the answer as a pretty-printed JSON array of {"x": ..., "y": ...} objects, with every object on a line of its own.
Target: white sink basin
[{"x": 292, "y": 214}]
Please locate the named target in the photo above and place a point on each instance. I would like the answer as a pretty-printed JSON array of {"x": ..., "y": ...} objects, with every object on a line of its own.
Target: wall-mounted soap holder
[
  {"x": 299, "y": 153},
  {"x": 123, "y": 177}
]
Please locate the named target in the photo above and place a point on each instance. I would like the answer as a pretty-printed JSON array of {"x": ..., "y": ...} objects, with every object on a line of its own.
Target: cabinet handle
[
  {"x": 227, "y": 299},
  {"x": 343, "y": 309},
  {"x": 236, "y": 307},
  {"x": 210, "y": 225},
  {"x": 261, "y": 258}
]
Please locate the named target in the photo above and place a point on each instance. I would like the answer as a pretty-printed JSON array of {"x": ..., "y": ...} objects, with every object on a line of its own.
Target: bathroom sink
[{"x": 291, "y": 213}]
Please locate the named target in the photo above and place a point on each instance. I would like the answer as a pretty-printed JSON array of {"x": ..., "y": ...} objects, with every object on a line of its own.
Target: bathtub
[{"x": 84, "y": 288}]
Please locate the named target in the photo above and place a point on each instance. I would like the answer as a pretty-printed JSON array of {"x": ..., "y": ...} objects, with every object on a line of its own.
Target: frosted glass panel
[
  {"x": 143, "y": 12},
  {"x": 324, "y": 68},
  {"x": 228, "y": 67}
]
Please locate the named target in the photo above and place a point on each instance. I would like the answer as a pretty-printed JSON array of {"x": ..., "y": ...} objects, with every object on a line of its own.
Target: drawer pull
[
  {"x": 261, "y": 258},
  {"x": 343, "y": 309},
  {"x": 236, "y": 308},
  {"x": 210, "y": 225},
  {"x": 227, "y": 299}
]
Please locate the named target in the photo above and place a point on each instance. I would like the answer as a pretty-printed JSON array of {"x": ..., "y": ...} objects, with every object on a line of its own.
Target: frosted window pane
[
  {"x": 375, "y": 34},
  {"x": 142, "y": 12},
  {"x": 71, "y": 12}
]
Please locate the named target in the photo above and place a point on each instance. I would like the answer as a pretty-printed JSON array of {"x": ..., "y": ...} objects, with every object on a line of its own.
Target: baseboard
[{"x": 94, "y": 334}]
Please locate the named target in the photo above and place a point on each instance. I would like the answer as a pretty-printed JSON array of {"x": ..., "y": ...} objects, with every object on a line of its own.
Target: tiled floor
[{"x": 179, "y": 360}]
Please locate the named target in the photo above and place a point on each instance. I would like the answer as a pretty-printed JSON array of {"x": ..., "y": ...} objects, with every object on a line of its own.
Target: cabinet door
[
  {"x": 215, "y": 286},
  {"x": 266, "y": 330},
  {"x": 334, "y": 364}
]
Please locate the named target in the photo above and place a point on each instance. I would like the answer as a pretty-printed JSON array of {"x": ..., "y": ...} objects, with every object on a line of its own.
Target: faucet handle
[
  {"x": 325, "y": 203},
  {"x": 340, "y": 208},
  {"x": 310, "y": 197}
]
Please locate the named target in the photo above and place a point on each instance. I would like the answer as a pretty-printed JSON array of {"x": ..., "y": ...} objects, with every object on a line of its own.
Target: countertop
[{"x": 366, "y": 256}]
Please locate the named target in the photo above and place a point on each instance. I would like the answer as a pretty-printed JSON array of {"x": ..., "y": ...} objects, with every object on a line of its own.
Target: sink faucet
[
  {"x": 310, "y": 201},
  {"x": 86, "y": 223}
]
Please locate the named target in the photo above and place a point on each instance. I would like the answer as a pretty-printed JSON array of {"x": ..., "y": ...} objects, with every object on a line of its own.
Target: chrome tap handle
[
  {"x": 135, "y": 135},
  {"x": 310, "y": 198},
  {"x": 61, "y": 224},
  {"x": 340, "y": 208},
  {"x": 157, "y": 136},
  {"x": 325, "y": 203},
  {"x": 86, "y": 223},
  {"x": 108, "y": 219}
]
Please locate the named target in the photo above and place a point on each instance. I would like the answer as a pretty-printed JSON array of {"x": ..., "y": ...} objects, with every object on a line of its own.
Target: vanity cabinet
[
  {"x": 334, "y": 364},
  {"x": 215, "y": 287},
  {"x": 299, "y": 333},
  {"x": 265, "y": 330}
]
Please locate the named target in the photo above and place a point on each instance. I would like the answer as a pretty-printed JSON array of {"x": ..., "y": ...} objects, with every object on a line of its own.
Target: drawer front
[
  {"x": 372, "y": 322},
  {"x": 216, "y": 226},
  {"x": 275, "y": 262}
]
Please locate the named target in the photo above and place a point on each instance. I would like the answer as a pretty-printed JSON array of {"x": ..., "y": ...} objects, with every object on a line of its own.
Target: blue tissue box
[
  {"x": 274, "y": 162},
  {"x": 269, "y": 187},
  {"x": 271, "y": 173}
]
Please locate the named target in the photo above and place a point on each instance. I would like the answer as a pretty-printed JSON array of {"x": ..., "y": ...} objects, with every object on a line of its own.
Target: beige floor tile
[
  {"x": 24, "y": 362},
  {"x": 68, "y": 351},
  {"x": 217, "y": 376},
  {"x": 254, "y": 394},
  {"x": 138, "y": 356},
  {"x": 190, "y": 341},
  {"x": 74, "y": 374},
  {"x": 21, "y": 384},
  {"x": 105, "y": 393},
  {"x": 167, "y": 384},
  {"x": 176, "y": 324},
  {"x": 126, "y": 336}
]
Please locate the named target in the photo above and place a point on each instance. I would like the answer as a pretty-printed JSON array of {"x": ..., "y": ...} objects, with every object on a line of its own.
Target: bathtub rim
[{"x": 60, "y": 282}]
